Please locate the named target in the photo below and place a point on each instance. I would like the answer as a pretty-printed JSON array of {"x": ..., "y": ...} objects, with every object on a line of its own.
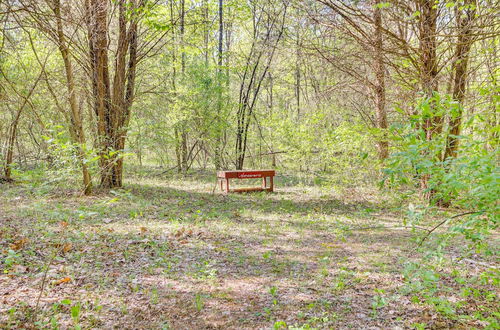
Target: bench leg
[
  {"x": 221, "y": 185},
  {"x": 227, "y": 185},
  {"x": 271, "y": 183},
  {"x": 264, "y": 183}
]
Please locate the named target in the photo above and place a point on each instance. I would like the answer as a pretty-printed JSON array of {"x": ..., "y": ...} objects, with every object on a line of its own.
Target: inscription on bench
[{"x": 224, "y": 176}]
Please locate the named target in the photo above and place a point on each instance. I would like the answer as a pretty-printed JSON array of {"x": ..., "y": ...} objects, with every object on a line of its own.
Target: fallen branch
[
  {"x": 42, "y": 287},
  {"x": 386, "y": 227},
  {"x": 443, "y": 222}
]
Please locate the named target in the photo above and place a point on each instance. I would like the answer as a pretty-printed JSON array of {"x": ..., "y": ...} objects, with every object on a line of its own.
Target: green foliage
[
  {"x": 448, "y": 292},
  {"x": 11, "y": 259},
  {"x": 345, "y": 152},
  {"x": 273, "y": 291},
  {"x": 312, "y": 121},
  {"x": 378, "y": 301},
  {"x": 280, "y": 325},
  {"x": 199, "y": 302},
  {"x": 469, "y": 181}
]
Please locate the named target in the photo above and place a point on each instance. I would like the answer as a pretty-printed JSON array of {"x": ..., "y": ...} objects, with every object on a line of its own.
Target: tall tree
[
  {"x": 465, "y": 17},
  {"x": 363, "y": 23},
  {"x": 76, "y": 127},
  {"x": 218, "y": 140},
  {"x": 183, "y": 135},
  {"x": 380, "y": 93},
  {"x": 53, "y": 27},
  {"x": 268, "y": 27},
  {"x": 112, "y": 102},
  {"x": 428, "y": 17}
]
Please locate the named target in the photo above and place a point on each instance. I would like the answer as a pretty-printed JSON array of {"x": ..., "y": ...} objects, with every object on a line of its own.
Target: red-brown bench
[{"x": 224, "y": 176}]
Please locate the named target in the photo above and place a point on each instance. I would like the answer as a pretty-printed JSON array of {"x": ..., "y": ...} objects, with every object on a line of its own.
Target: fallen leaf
[
  {"x": 144, "y": 229},
  {"x": 19, "y": 244},
  {"x": 67, "y": 247},
  {"x": 179, "y": 232},
  {"x": 62, "y": 280},
  {"x": 63, "y": 224}
]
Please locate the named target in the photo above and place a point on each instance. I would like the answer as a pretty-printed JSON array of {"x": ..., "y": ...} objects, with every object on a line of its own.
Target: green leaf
[
  {"x": 66, "y": 302},
  {"x": 382, "y": 5}
]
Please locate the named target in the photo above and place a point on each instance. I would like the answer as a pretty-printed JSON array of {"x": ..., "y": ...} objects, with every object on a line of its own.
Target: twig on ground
[
  {"x": 443, "y": 222},
  {"x": 44, "y": 281},
  {"x": 384, "y": 227}
]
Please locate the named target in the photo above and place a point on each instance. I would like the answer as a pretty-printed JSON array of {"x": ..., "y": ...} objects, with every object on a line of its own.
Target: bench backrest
[{"x": 249, "y": 174}]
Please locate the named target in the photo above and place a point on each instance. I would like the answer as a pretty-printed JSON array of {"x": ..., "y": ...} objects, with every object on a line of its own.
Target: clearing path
[{"x": 158, "y": 256}]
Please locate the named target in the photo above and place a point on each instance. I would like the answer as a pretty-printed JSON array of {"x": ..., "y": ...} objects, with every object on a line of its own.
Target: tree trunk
[
  {"x": 428, "y": 61},
  {"x": 381, "y": 115},
  {"x": 431, "y": 124},
  {"x": 298, "y": 77},
  {"x": 206, "y": 32},
  {"x": 103, "y": 96},
  {"x": 9, "y": 149},
  {"x": 465, "y": 40},
  {"x": 218, "y": 140},
  {"x": 183, "y": 134},
  {"x": 177, "y": 146},
  {"x": 76, "y": 127},
  {"x": 112, "y": 103},
  {"x": 11, "y": 139}
]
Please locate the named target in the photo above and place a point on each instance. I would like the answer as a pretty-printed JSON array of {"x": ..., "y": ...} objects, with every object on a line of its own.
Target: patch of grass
[{"x": 167, "y": 253}]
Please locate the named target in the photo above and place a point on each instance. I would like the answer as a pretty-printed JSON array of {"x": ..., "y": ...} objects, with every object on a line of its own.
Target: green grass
[{"x": 170, "y": 253}]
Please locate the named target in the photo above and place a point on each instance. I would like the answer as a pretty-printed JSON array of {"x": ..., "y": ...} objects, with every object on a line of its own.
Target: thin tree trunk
[
  {"x": 218, "y": 140},
  {"x": 460, "y": 68},
  {"x": 206, "y": 26},
  {"x": 9, "y": 149},
  {"x": 494, "y": 121},
  {"x": 183, "y": 134},
  {"x": 112, "y": 102},
  {"x": 76, "y": 127},
  {"x": 381, "y": 115},
  {"x": 298, "y": 56},
  {"x": 174, "y": 88},
  {"x": 428, "y": 61},
  {"x": 432, "y": 124}
]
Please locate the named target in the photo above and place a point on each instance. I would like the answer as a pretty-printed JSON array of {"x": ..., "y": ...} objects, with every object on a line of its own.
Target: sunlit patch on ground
[{"x": 177, "y": 254}]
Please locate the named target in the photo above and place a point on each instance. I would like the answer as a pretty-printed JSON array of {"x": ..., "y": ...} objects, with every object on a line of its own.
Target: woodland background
[{"x": 396, "y": 96}]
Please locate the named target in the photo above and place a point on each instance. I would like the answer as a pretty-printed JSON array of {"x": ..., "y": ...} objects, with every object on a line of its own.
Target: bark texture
[
  {"x": 112, "y": 102},
  {"x": 76, "y": 127},
  {"x": 379, "y": 69},
  {"x": 465, "y": 39}
]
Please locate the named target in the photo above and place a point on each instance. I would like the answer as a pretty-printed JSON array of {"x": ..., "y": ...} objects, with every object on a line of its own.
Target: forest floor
[{"x": 174, "y": 254}]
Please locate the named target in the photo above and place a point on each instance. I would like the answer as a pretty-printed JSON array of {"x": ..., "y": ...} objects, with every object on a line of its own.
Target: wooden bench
[{"x": 224, "y": 176}]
